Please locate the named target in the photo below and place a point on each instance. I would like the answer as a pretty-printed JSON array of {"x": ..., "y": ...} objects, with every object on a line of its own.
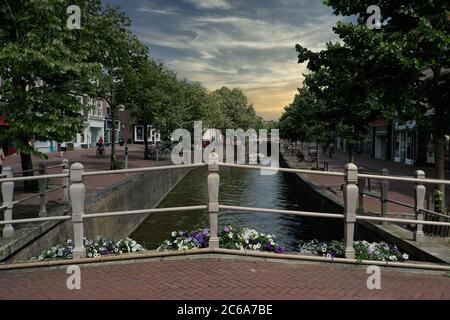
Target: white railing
[
  {"x": 7, "y": 184},
  {"x": 350, "y": 215}
]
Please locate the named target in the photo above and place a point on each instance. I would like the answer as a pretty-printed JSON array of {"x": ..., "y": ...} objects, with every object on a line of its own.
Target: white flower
[
  {"x": 405, "y": 256},
  {"x": 174, "y": 234}
]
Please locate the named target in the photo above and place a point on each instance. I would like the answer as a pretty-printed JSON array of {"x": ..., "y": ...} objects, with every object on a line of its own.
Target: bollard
[
  {"x": 7, "y": 194},
  {"x": 126, "y": 157},
  {"x": 361, "y": 187},
  {"x": 419, "y": 202},
  {"x": 65, "y": 181},
  {"x": 77, "y": 196},
  {"x": 384, "y": 194},
  {"x": 213, "y": 192},
  {"x": 43, "y": 183},
  {"x": 350, "y": 205}
]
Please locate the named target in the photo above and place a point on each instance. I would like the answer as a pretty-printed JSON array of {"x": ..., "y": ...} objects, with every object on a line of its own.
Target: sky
[{"x": 246, "y": 44}]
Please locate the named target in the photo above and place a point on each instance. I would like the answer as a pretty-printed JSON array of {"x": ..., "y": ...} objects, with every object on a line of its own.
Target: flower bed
[
  {"x": 364, "y": 250},
  {"x": 229, "y": 237},
  {"x": 94, "y": 249}
]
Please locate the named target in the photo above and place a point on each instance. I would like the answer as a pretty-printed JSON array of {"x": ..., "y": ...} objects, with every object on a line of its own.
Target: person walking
[{"x": 2, "y": 157}]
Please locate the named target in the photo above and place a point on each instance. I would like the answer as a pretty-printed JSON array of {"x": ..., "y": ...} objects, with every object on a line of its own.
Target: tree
[
  {"x": 413, "y": 41},
  {"x": 341, "y": 78},
  {"x": 234, "y": 104},
  {"x": 306, "y": 119},
  {"x": 118, "y": 51},
  {"x": 43, "y": 65}
]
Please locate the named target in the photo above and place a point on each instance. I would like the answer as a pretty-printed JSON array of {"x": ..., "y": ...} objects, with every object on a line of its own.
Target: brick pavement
[
  {"x": 214, "y": 278},
  {"x": 400, "y": 191},
  {"x": 87, "y": 157}
]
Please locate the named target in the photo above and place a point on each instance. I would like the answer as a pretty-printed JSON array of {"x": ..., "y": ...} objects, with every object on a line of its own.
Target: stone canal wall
[{"x": 140, "y": 191}]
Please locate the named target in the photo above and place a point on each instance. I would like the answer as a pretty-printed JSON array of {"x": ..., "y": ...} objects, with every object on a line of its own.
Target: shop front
[
  {"x": 381, "y": 139},
  {"x": 405, "y": 142}
]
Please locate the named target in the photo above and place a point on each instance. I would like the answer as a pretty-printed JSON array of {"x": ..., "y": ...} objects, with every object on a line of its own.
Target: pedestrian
[
  {"x": 2, "y": 157},
  {"x": 63, "y": 149}
]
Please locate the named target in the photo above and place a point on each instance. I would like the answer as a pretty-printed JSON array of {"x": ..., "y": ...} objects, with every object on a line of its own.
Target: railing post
[
  {"x": 361, "y": 187},
  {"x": 7, "y": 194},
  {"x": 43, "y": 183},
  {"x": 384, "y": 194},
  {"x": 77, "y": 196},
  {"x": 213, "y": 191},
  {"x": 65, "y": 181},
  {"x": 350, "y": 205},
  {"x": 419, "y": 203}
]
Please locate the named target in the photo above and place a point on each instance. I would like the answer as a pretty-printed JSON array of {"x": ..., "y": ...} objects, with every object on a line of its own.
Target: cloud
[
  {"x": 210, "y": 4},
  {"x": 251, "y": 45},
  {"x": 157, "y": 11}
]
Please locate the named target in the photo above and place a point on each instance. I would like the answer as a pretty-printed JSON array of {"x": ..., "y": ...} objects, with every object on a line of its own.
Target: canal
[{"x": 237, "y": 187}]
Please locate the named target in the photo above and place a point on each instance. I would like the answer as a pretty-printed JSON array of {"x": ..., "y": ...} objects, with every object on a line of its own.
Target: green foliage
[
  {"x": 300, "y": 120},
  {"x": 340, "y": 80},
  {"x": 36, "y": 45},
  {"x": 439, "y": 205},
  {"x": 409, "y": 60}
]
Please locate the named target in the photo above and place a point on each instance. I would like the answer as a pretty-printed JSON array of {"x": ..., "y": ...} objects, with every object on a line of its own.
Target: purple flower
[
  {"x": 226, "y": 229},
  {"x": 279, "y": 249}
]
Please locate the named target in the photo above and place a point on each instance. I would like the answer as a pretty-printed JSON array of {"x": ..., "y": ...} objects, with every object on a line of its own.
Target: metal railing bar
[
  {"x": 371, "y": 195},
  {"x": 27, "y": 198},
  {"x": 56, "y": 166},
  {"x": 406, "y": 179},
  {"x": 55, "y": 188},
  {"x": 106, "y": 172},
  {"x": 279, "y": 211},
  {"x": 26, "y": 171},
  {"x": 48, "y": 176},
  {"x": 253, "y": 167},
  {"x": 403, "y": 214},
  {"x": 36, "y": 220},
  {"x": 436, "y": 213},
  {"x": 409, "y": 221},
  {"x": 401, "y": 203},
  {"x": 131, "y": 212}
]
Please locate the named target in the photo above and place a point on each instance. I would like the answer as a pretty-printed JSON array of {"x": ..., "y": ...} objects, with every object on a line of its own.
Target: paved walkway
[
  {"x": 87, "y": 157},
  {"x": 400, "y": 191},
  {"x": 221, "y": 279}
]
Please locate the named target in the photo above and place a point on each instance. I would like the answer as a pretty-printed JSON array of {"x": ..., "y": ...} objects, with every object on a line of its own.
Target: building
[
  {"x": 153, "y": 135},
  {"x": 108, "y": 124},
  {"x": 405, "y": 141},
  {"x": 381, "y": 139},
  {"x": 93, "y": 123}
]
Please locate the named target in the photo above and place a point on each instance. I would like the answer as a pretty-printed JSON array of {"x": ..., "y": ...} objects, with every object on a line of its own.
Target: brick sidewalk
[
  {"x": 400, "y": 191},
  {"x": 87, "y": 157},
  {"x": 214, "y": 278}
]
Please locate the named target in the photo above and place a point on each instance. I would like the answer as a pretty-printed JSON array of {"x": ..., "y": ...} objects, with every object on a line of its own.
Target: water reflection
[{"x": 237, "y": 187}]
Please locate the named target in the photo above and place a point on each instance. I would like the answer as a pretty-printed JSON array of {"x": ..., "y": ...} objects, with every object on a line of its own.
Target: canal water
[{"x": 237, "y": 187}]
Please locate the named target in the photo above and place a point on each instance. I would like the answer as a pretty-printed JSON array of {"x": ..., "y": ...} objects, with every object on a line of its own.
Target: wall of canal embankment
[{"x": 141, "y": 191}]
